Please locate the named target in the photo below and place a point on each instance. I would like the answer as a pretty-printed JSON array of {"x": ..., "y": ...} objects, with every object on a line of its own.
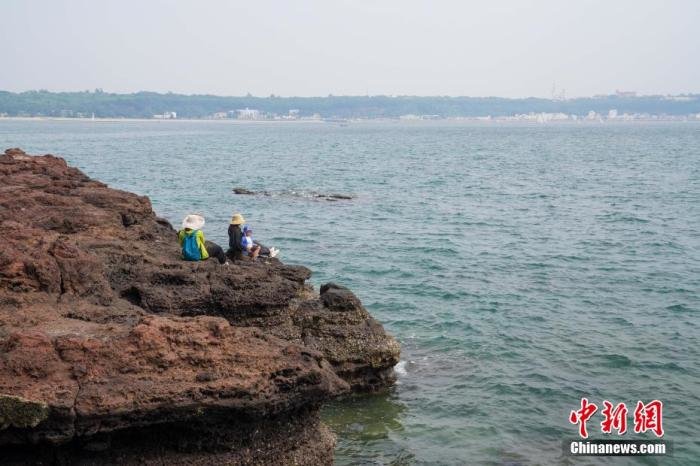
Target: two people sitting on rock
[
  {"x": 194, "y": 246},
  {"x": 241, "y": 242}
]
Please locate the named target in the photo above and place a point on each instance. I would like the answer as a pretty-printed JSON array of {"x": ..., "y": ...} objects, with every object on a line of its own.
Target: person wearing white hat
[{"x": 194, "y": 246}]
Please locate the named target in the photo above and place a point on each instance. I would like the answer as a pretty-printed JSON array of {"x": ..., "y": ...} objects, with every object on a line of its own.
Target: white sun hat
[{"x": 193, "y": 222}]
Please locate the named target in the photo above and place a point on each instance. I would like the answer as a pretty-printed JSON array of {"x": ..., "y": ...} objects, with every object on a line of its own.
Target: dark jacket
[{"x": 234, "y": 241}]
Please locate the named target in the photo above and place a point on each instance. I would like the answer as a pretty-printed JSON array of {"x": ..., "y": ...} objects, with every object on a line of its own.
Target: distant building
[
  {"x": 166, "y": 116},
  {"x": 680, "y": 98},
  {"x": 612, "y": 114},
  {"x": 545, "y": 117},
  {"x": 220, "y": 115},
  {"x": 248, "y": 114},
  {"x": 620, "y": 93}
]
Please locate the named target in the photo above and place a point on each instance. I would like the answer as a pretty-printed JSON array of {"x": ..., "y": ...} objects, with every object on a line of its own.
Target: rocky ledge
[{"x": 115, "y": 351}]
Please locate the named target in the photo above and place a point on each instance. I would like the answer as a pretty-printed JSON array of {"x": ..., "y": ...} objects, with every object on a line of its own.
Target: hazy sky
[{"x": 227, "y": 47}]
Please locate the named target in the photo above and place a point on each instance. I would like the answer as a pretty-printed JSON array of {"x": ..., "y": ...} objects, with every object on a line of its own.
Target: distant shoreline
[
  {"x": 145, "y": 106},
  {"x": 158, "y": 120}
]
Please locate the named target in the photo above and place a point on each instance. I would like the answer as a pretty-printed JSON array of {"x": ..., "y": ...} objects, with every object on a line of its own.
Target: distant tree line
[{"x": 147, "y": 104}]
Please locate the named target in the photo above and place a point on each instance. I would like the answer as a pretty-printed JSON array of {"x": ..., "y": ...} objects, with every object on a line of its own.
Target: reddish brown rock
[
  {"x": 338, "y": 326},
  {"x": 110, "y": 344}
]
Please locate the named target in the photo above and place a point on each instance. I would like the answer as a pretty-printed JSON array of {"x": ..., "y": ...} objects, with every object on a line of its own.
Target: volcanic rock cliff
[{"x": 115, "y": 351}]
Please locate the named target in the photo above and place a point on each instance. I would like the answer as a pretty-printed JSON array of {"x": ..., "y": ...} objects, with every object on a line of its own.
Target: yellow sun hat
[{"x": 237, "y": 219}]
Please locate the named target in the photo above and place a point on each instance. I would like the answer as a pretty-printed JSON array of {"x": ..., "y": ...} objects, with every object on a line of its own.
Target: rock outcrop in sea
[
  {"x": 115, "y": 351},
  {"x": 332, "y": 197}
]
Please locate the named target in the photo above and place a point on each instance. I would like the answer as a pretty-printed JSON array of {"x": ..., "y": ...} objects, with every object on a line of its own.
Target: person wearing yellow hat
[{"x": 235, "y": 235}]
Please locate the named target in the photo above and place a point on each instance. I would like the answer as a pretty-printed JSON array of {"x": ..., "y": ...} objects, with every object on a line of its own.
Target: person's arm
[
  {"x": 200, "y": 243},
  {"x": 180, "y": 237}
]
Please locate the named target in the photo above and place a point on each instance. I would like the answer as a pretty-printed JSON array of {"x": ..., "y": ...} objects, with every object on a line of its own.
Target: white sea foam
[{"x": 400, "y": 368}]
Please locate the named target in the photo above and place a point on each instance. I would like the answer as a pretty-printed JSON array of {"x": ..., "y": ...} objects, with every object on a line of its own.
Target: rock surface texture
[{"x": 115, "y": 351}]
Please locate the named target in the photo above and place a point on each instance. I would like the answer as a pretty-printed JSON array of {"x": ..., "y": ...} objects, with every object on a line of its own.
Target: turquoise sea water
[{"x": 520, "y": 266}]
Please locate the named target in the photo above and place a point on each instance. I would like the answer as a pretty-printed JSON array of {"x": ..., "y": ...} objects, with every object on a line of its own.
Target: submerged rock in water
[
  {"x": 243, "y": 191},
  {"x": 115, "y": 351},
  {"x": 334, "y": 197},
  {"x": 294, "y": 194}
]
